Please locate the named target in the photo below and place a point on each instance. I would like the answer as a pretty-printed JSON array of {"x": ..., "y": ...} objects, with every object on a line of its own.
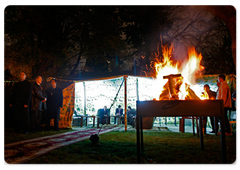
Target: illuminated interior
[{"x": 100, "y": 93}]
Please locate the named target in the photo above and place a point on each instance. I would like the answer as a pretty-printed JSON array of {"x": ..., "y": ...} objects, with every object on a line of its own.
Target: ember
[{"x": 176, "y": 79}]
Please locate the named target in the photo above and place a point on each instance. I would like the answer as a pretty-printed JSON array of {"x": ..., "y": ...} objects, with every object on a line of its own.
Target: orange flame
[
  {"x": 188, "y": 69},
  {"x": 192, "y": 67},
  {"x": 164, "y": 66}
]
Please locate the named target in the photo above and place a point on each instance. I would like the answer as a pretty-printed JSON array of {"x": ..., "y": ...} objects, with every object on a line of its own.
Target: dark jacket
[
  {"x": 22, "y": 93},
  {"x": 37, "y": 97},
  {"x": 103, "y": 115},
  {"x": 117, "y": 111},
  {"x": 44, "y": 107},
  {"x": 131, "y": 113},
  {"x": 54, "y": 102}
]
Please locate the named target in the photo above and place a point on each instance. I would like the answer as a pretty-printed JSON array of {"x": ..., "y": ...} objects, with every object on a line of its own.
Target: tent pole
[
  {"x": 84, "y": 105},
  {"x": 125, "y": 101},
  {"x": 137, "y": 89}
]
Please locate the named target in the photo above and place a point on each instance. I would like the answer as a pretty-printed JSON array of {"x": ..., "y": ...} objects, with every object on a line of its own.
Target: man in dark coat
[
  {"x": 103, "y": 113},
  {"x": 20, "y": 103},
  {"x": 36, "y": 104},
  {"x": 119, "y": 112},
  {"x": 54, "y": 103}
]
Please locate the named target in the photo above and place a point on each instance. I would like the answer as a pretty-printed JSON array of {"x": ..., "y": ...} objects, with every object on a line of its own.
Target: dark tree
[
  {"x": 53, "y": 40},
  {"x": 64, "y": 40},
  {"x": 143, "y": 27}
]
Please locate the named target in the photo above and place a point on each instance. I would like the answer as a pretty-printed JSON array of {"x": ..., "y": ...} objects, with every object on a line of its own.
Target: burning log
[
  {"x": 171, "y": 84},
  {"x": 191, "y": 94},
  {"x": 172, "y": 88},
  {"x": 165, "y": 95}
]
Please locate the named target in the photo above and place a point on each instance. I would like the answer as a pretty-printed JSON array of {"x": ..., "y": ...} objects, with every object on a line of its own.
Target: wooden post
[
  {"x": 84, "y": 105},
  {"x": 223, "y": 140},
  {"x": 180, "y": 125},
  {"x": 81, "y": 123},
  {"x": 125, "y": 102},
  {"x": 98, "y": 120},
  {"x": 193, "y": 126},
  {"x": 93, "y": 121},
  {"x": 197, "y": 127},
  {"x": 183, "y": 125},
  {"x": 201, "y": 133},
  {"x": 137, "y": 93},
  {"x": 138, "y": 139},
  {"x": 216, "y": 125},
  {"x": 141, "y": 132}
]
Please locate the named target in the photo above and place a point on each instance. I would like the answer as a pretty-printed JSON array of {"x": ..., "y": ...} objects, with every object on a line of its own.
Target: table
[{"x": 179, "y": 108}]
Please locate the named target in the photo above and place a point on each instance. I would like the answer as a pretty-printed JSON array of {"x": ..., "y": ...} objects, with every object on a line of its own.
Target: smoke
[
  {"x": 180, "y": 51},
  {"x": 189, "y": 26}
]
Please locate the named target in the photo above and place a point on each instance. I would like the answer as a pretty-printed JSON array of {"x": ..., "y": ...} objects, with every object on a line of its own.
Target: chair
[{"x": 182, "y": 124}]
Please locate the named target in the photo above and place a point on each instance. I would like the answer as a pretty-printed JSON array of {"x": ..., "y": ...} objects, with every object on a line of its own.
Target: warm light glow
[
  {"x": 188, "y": 69},
  {"x": 164, "y": 67}
]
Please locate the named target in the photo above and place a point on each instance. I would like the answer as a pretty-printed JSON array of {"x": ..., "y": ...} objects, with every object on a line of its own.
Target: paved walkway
[{"x": 23, "y": 151}]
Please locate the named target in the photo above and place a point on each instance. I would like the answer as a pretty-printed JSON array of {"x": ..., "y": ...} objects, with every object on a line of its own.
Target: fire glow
[{"x": 176, "y": 79}]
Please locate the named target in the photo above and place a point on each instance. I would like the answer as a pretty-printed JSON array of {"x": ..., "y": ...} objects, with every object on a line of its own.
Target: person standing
[
  {"x": 209, "y": 94},
  {"x": 54, "y": 103},
  {"x": 224, "y": 94},
  {"x": 20, "y": 103},
  {"x": 36, "y": 104}
]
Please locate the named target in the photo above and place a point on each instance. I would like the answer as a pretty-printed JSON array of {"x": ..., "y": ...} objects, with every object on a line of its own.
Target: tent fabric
[
  {"x": 66, "y": 112},
  {"x": 98, "y": 93}
]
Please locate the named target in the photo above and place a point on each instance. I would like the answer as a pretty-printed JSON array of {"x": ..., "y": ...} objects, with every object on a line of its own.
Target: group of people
[
  {"x": 104, "y": 115},
  {"x": 223, "y": 93},
  {"x": 30, "y": 100}
]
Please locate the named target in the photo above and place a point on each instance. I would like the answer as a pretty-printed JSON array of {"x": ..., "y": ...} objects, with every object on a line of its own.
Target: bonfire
[{"x": 177, "y": 78}]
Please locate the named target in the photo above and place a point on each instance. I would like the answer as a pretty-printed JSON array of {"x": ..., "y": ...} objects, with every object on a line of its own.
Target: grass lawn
[{"x": 160, "y": 147}]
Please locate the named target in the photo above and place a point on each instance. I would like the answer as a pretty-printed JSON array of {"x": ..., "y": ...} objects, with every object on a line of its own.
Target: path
[{"x": 23, "y": 151}]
